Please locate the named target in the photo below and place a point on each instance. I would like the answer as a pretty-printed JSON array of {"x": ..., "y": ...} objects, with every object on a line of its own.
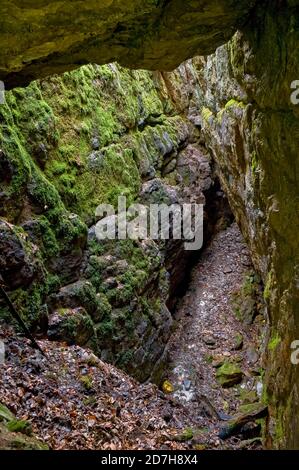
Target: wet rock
[
  {"x": 167, "y": 42},
  {"x": 119, "y": 267},
  {"x": 229, "y": 374},
  {"x": 41, "y": 154},
  {"x": 193, "y": 165},
  {"x": 248, "y": 310},
  {"x": 110, "y": 283}
]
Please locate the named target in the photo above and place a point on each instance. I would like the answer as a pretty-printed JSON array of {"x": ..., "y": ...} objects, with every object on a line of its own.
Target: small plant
[{"x": 86, "y": 381}]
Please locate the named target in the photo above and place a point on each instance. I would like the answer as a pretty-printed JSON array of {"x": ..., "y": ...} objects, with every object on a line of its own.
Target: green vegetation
[
  {"x": 206, "y": 114},
  {"x": 87, "y": 382},
  {"x": 274, "y": 342}
]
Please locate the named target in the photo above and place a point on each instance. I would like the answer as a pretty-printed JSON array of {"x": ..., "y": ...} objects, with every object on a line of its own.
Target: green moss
[
  {"x": 87, "y": 382},
  {"x": 274, "y": 342},
  {"x": 5, "y": 413},
  {"x": 21, "y": 426},
  {"x": 254, "y": 162},
  {"x": 186, "y": 435},
  {"x": 209, "y": 358},
  {"x": 229, "y": 374},
  {"x": 234, "y": 103},
  {"x": 90, "y": 401},
  {"x": 206, "y": 114},
  {"x": 49, "y": 244},
  {"x": 247, "y": 408},
  {"x": 105, "y": 329},
  {"x": 123, "y": 359},
  {"x": 249, "y": 284}
]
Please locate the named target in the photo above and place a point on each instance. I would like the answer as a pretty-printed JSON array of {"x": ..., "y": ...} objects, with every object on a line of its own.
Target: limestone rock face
[
  {"x": 45, "y": 37},
  {"x": 252, "y": 129}
]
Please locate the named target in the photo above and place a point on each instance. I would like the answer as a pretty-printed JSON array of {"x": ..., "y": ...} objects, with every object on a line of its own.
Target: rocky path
[{"x": 214, "y": 359}]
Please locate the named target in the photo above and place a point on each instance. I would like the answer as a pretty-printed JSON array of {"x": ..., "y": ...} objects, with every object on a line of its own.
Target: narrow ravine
[{"x": 210, "y": 334}]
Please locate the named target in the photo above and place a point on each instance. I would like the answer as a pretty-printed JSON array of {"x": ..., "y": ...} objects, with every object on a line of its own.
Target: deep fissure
[{"x": 220, "y": 130}]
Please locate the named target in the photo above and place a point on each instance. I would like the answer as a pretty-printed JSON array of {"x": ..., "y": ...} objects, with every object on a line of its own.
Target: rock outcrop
[
  {"x": 73, "y": 142},
  {"x": 40, "y": 39},
  {"x": 252, "y": 129}
]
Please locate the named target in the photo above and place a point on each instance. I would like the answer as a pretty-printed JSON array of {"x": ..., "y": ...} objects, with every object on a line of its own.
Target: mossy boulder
[
  {"x": 16, "y": 441},
  {"x": 74, "y": 326},
  {"x": 16, "y": 434},
  {"x": 229, "y": 374}
]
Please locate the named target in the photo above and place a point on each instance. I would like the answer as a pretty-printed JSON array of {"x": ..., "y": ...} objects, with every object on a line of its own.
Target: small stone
[
  {"x": 209, "y": 340},
  {"x": 187, "y": 384},
  {"x": 95, "y": 160},
  {"x": 251, "y": 355},
  {"x": 110, "y": 283},
  {"x": 226, "y": 354},
  {"x": 95, "y": 144},
  {"x": 227, "y": 270},
  {"x": 259, "y": 389}
]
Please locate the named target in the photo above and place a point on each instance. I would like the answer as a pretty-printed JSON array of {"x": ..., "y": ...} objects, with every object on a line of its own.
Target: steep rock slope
[
  {"x": 252, "y": 129},
  {"x": 46, "y": 37}
]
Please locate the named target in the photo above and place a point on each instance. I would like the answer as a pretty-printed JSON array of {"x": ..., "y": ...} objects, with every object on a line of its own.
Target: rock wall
[
  {"x": 45, "y": 37},
  {"x": 68, "y": 144},
  {"x": 252, "y": 130}
]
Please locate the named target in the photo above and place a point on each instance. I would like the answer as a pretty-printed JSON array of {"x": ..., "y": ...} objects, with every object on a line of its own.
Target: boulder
[{"x": 229, "y": 374}]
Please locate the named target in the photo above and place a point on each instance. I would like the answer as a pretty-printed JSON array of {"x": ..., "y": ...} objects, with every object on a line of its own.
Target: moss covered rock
[
  {"x": 17, "y": 434},
  {"x": 68, "y": 144},
  {"x": 253, "y": 135},
  {"x": 229, "y": 374}
]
